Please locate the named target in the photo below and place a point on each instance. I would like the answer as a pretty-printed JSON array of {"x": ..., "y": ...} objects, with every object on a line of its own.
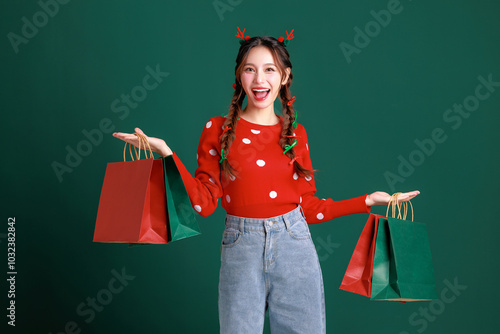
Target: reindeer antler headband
[{"x": 281, "y": 39}]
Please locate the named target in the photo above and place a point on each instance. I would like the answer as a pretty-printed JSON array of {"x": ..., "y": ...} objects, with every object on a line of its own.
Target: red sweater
[{"x": 266, "y": 185}]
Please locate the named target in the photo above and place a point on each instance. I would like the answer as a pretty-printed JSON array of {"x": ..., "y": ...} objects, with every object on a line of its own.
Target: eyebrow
[{"x": 264, "y": 64}]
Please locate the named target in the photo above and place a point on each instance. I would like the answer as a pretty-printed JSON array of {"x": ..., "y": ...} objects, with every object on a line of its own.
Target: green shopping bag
[
  {"x": 402, "y": 265},
  {"x": 181, "y": 218}
]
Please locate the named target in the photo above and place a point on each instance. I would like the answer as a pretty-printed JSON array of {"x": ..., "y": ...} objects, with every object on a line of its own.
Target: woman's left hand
[{"x": 382, "y": 198}]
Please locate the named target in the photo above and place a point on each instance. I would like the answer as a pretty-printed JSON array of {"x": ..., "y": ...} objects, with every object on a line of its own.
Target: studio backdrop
[{"x": 395, "y": 95}]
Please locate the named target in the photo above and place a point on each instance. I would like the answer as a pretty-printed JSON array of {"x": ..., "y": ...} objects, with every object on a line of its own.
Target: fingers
[
  {"x": 128, "y": 137},
  {"x": 124, "y": 136},
  {"x": 408, "y": 196},
  {"x": 139, "y": 131},
  {"x": 121, "y": 134}
]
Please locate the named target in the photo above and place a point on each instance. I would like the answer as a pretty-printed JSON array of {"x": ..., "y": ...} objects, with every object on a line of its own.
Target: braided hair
[{"x": 282, "y": 59}]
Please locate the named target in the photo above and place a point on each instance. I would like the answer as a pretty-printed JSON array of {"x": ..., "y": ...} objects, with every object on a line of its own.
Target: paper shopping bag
[
  {"x": 181, "y": 217},
  {"x": 132, "y": 206},
  {"x": 402, "y": 265},
  {"x": 358, "y": 276}
]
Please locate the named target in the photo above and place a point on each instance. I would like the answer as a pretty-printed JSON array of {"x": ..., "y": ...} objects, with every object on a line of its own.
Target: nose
[{"x": 259, "y": 76}]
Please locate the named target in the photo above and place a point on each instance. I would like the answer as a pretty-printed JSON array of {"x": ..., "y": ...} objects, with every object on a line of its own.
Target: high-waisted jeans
[{"x": 270, "y": 264}]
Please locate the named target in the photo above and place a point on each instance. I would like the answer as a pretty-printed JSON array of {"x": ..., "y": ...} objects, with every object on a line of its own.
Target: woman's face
[{"x": 261, "y": 78}]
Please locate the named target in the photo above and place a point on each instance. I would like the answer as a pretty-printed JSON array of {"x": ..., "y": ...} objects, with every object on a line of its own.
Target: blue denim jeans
[{"x": 270, "y": 264}]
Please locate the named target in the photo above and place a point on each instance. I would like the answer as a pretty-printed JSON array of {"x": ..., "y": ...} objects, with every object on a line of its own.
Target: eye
[
  {"x": 270, "y": 69},
  {"x": 248, "y": 69}
]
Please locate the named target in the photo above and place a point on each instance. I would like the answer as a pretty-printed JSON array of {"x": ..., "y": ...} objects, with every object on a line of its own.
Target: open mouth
[{"x": 260, "y": 94}]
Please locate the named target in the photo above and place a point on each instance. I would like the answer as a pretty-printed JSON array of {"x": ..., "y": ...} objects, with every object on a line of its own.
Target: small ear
[{"x": 287, "y": 75}]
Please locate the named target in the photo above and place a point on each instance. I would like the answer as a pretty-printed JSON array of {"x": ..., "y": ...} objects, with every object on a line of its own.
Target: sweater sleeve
[
  {"x": 204, "y": 189},
  {"x": 320, "y": 210}
]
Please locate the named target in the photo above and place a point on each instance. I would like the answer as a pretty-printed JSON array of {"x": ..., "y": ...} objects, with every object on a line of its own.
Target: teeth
[{"x": 260, "y": 90}]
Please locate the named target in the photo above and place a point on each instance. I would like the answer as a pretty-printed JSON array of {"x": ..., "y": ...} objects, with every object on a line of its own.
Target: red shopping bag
[
  {"x": 358, "y": 276},
  {"x": 132, "y": 206}
]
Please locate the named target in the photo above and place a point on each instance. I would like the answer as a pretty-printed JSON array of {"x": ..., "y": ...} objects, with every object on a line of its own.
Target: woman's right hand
[{"x": 157, "y": 145}]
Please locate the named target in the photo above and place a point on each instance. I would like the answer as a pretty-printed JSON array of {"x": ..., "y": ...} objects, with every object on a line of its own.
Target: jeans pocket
[
  {"x": 299, "y": 230},
  {"x": 231, "y": 237}
]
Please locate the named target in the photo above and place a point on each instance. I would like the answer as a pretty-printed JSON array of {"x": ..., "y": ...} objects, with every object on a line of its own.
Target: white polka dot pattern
[{"x": 262, "y": 182}]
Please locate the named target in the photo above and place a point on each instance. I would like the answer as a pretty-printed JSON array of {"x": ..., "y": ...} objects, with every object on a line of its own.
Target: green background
[{"x": 360, "y": 117}]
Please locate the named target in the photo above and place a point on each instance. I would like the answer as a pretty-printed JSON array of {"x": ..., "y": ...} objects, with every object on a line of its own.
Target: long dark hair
[{"x": 282, "y": 60}]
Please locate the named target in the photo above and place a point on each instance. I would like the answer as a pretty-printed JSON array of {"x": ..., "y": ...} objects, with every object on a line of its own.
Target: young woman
[{"x": 259, "y": 164}]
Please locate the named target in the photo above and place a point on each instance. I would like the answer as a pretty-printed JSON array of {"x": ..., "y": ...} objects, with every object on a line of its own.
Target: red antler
[
  {"x": 240, "y": 33},
  {"x": 289, "y": 36}
]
